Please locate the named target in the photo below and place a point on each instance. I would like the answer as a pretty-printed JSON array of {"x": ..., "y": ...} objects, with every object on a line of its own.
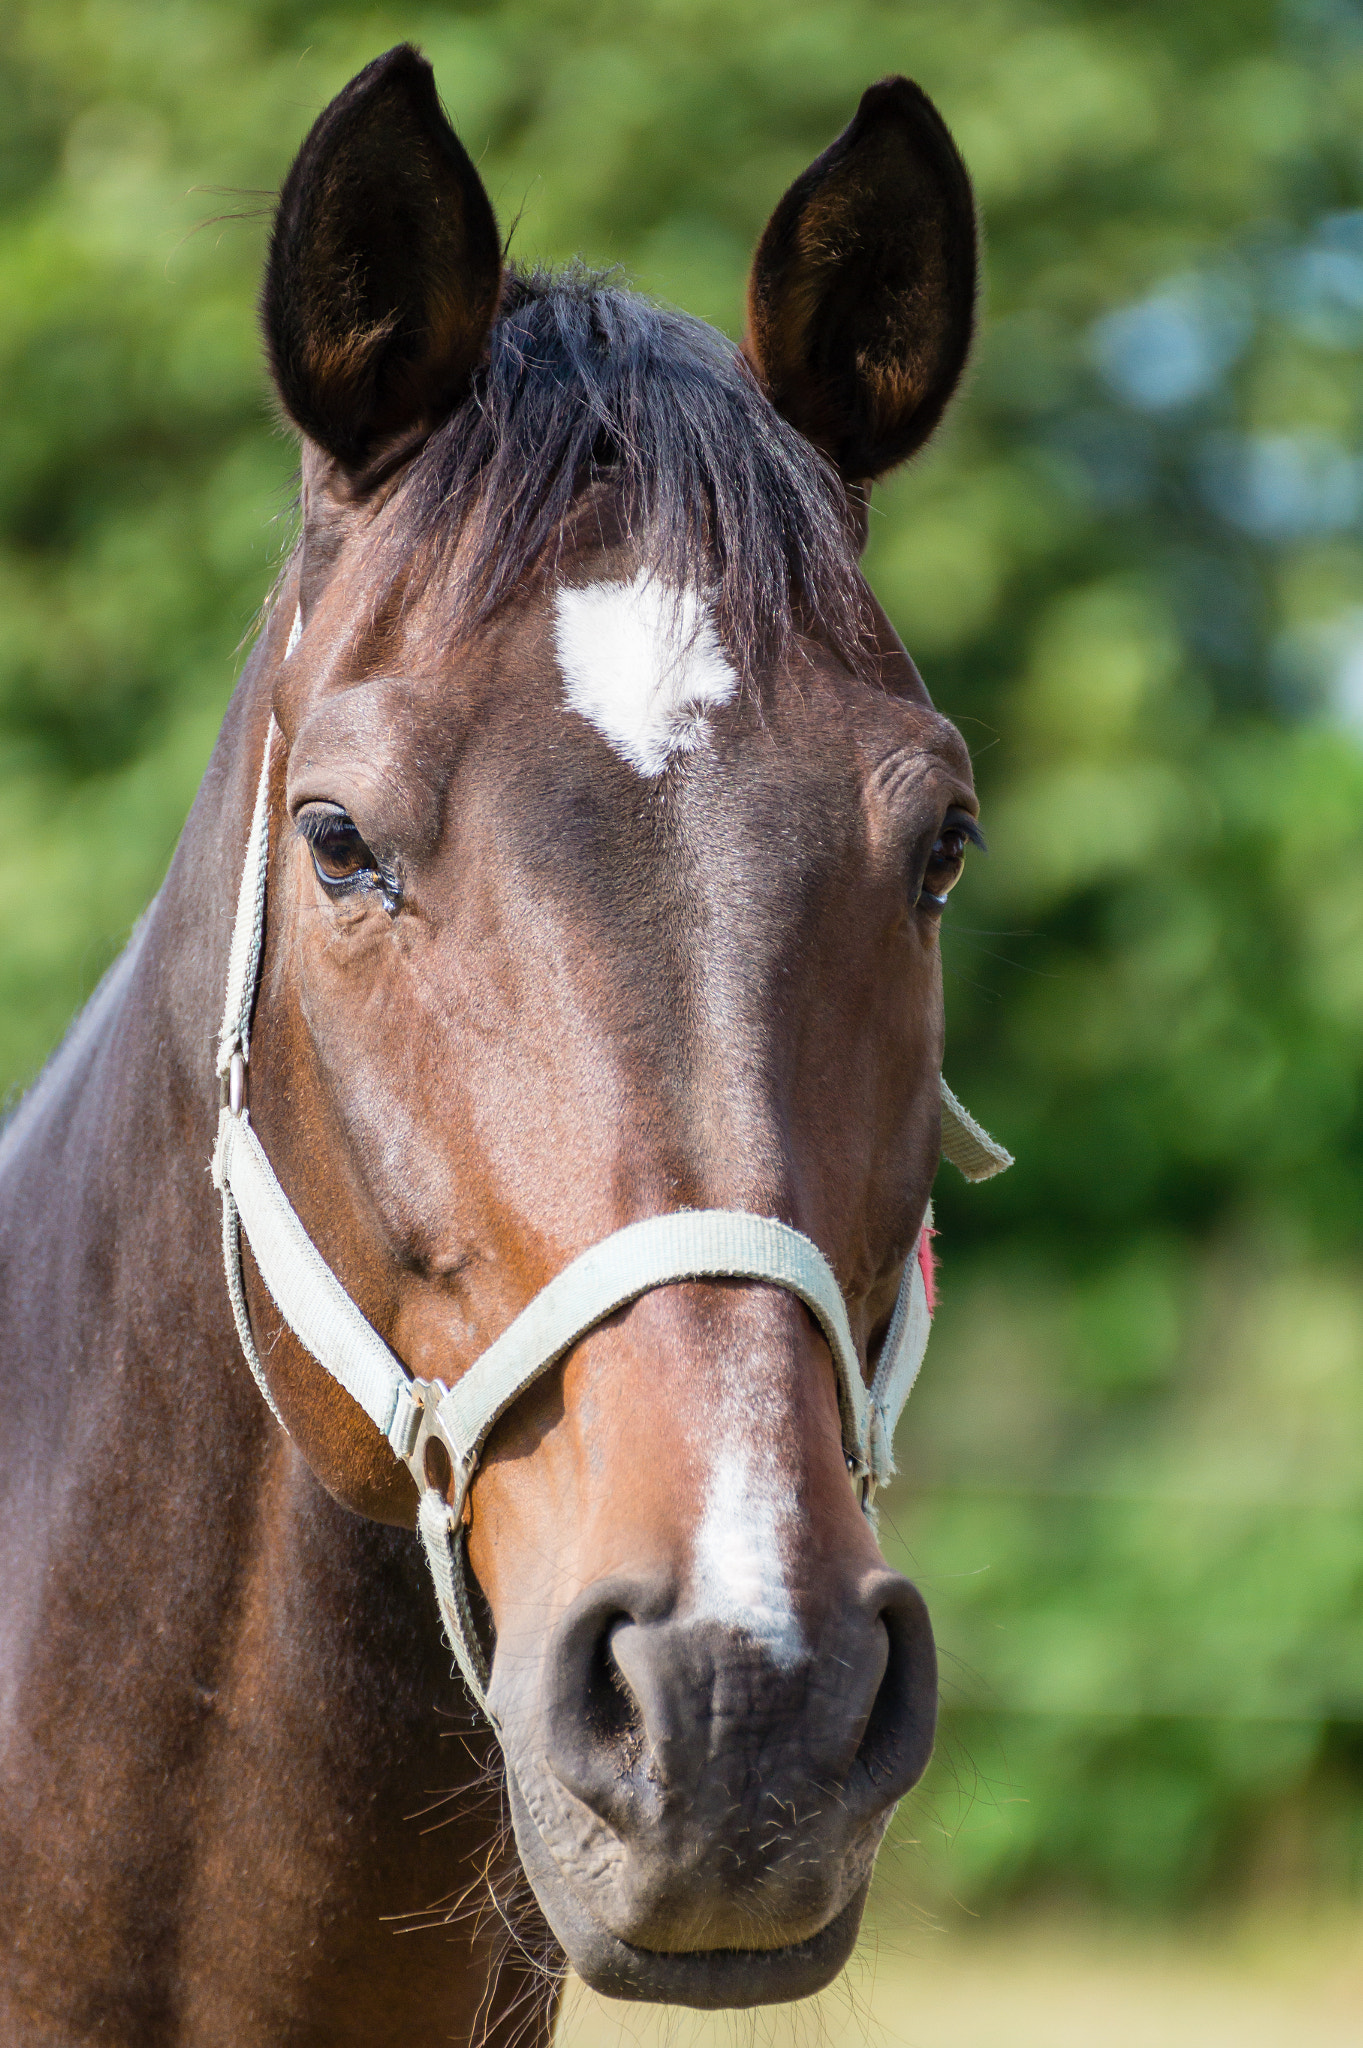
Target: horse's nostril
[
  {"x": 594, "y": 1721},
  {"x": 610, "y": 1709},
  {"x": 897, "y": 1743}
]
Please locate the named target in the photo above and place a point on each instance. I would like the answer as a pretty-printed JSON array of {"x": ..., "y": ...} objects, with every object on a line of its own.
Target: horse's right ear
[
  {"x": 384, "y": 267},
  {"x": 861, "y": 303}
]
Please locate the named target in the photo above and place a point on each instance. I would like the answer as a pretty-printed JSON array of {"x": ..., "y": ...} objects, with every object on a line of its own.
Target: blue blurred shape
[
  {"x": 1176, "y": 345},
  {"x": 1320, "y": 286},
  {"x": 1281, "y": 486},
  {"x": 1347, "y": 691}
]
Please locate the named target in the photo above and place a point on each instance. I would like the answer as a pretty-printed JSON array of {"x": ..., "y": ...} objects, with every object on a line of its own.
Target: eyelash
[{"x": 959, "y": 826}]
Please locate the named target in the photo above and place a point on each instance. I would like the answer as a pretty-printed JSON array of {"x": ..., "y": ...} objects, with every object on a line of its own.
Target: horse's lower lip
[{"x": 706, "y": 1978}]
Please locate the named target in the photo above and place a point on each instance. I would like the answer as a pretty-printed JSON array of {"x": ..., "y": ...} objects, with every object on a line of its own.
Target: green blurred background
[{"x": 1131, "y": 568}]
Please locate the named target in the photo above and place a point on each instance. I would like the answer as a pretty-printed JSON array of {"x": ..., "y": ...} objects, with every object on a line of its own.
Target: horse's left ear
[{"x": 861, "y": 303}]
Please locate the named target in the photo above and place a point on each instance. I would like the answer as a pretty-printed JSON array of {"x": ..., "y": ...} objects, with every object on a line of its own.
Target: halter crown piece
[{"x": 414, "y": 1414}]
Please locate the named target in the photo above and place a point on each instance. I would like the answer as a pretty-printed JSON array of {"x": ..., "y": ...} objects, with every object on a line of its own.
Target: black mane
[{"x": 584, "y": 380}]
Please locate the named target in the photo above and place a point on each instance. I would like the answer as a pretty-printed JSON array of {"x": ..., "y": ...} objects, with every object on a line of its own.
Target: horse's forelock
[{"x": 588, "y": 383}]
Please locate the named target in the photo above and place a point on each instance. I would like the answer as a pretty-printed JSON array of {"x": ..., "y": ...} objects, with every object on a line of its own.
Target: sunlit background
[{"x": 1132, "y": 570}]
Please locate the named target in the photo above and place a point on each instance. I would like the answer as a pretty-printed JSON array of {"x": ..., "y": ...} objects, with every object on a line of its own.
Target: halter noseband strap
[{"x": 439, "y": 1431}]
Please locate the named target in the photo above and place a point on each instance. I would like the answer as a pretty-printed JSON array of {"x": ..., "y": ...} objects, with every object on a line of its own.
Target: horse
[{"x": 573, "y": 856}]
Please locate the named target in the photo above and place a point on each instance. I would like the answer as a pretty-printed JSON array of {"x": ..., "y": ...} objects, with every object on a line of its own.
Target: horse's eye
[
  {"x": 947, "y": 858},
  {"x": 338, "y": 852}
]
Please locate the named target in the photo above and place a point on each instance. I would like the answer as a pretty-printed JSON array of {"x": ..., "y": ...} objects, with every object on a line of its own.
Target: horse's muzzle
[{"x": 699, "y": 1816}]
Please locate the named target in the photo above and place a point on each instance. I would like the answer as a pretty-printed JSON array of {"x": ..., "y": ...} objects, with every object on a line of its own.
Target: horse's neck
[
  {"x": 107, "y": 1233},
  {"x": 58, "y": 1087},
  {"x": 219, "y": 1692}
]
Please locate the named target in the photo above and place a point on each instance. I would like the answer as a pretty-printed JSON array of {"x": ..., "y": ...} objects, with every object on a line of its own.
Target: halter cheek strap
[{"x": 439, "y": 1431}]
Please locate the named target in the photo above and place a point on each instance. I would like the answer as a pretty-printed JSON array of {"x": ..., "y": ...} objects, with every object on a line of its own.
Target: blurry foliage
[{"x": 1132, "y": 569}]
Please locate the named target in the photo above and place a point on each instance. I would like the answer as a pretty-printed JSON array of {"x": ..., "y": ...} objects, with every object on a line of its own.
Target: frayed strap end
[{"x": 967, "y": 1144}]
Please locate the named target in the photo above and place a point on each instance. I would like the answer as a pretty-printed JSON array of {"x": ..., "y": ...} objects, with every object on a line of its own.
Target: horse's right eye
[{"x": 338, "y": 852}]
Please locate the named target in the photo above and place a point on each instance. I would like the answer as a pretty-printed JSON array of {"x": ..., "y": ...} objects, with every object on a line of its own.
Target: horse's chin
[{"x": 706, "y": 1978}]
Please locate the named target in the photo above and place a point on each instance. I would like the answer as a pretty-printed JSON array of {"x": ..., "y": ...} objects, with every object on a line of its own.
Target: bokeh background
[{"x": 1131, "y": 568}]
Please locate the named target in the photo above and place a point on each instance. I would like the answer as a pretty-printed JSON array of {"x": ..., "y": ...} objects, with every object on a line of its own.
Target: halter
[{"x": 438, "y": 1431}]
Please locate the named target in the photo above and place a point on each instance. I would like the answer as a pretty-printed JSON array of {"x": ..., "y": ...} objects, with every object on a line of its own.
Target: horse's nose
[{"x": 655, "y": 1715}]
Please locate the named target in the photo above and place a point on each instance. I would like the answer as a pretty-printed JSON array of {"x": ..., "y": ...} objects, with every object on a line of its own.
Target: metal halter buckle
[
  {"x": 433, "y": 1460},
  {"x": 232, "y": 1080}
]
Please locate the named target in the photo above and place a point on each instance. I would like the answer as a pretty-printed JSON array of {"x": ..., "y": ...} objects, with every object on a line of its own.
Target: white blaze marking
[
  {"x": 295, "y": 632},
  {"x": 643, "y": 663},
  {"x": 738, "y": 1569}
]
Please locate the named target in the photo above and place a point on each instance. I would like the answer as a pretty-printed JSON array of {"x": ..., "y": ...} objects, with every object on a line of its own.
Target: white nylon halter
[{"x": 424, "y": 1418}]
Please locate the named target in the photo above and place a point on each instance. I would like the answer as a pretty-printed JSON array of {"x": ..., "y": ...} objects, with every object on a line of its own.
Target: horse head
[{"x": 610, "y": 833}]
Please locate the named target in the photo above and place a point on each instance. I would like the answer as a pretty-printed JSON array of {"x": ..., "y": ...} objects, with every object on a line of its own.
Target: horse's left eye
[
  {"x": 338, "y": 852},
  {"x": 947, "y": 859}
]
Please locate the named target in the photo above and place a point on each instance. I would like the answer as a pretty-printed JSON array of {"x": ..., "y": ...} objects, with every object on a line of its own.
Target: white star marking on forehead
[{"x": 643, "y": 663}]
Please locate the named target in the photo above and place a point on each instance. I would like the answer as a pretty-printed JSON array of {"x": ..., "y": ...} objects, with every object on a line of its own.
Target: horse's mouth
[{"x": 705, "y": 1978}]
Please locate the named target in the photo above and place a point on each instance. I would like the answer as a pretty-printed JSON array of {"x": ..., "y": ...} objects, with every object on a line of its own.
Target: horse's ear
[
  {"x": 861, "y": 303},
  {"x": 384, "y": 267}
]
